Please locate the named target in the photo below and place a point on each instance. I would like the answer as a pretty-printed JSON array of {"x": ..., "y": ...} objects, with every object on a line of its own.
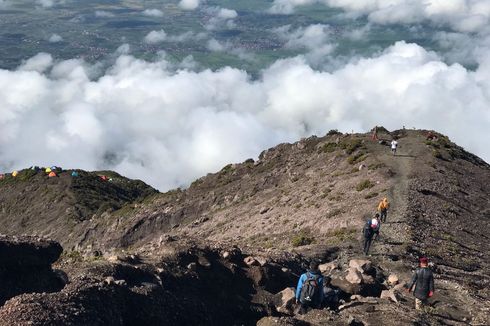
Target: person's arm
[
  {"x": 299, "y": 286},
  {"x": 431, "y": 285},
  {"x": 412, "y": 282}
]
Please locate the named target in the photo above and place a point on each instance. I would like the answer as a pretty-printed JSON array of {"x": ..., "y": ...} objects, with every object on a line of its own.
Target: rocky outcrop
[{"x": 25, "y": 266}]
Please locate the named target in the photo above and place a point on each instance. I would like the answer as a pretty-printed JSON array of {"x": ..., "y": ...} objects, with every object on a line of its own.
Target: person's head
[
  {"x": 327, "y": 280},
  {"x": 424, "y": 262},
  {"x": 376, "y": 216},
  {"x": 314, "y": 265}
]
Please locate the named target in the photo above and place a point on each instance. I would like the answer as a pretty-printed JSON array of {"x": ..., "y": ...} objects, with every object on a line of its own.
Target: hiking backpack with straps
[{"x": 311, "y": 289}]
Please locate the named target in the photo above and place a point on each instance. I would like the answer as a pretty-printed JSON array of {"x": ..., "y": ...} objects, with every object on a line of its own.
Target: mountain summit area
[{"x": 96, "y": 248}]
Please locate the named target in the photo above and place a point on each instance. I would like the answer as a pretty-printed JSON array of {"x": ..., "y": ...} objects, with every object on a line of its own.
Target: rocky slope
[{"x": 298, "y": 202}]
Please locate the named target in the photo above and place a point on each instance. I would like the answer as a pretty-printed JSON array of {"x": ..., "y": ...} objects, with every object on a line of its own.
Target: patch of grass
[
  {"x": 365, "y": 184},
  {"x": 351, "y": 145},
  {"x": 343, "y": 234},
  {"x": 328, "y": 148},
  {"x": 356, "y": 158},
  {"x": 437, "y": 153},
  {"x": 325, "y": 193},
  {"x": 303, "y": 238},
  {"x": 375, "y": 166},
  {"x": 371, "y": 195},
  {"x": 334, "y": 213}
]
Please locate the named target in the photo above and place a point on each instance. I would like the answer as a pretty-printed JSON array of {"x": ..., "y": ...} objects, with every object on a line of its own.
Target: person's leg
[
  {"x": 418, "y": 304},
  {"x": 367, "y": 245}
]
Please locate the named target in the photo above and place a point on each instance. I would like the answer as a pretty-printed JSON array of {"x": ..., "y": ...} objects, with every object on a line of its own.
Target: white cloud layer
[
  {"x": 153, "y": 12},
  {"x": 154, "y": 37},
  {"x": 103, "y": 14},
  {"x": 221, "y": 18},
  {"x": 189, "y": 4},
  {"x": 55, "y": 38},
  {"x": 461, "y": 15},
  {"x": 146, "y": 120}
]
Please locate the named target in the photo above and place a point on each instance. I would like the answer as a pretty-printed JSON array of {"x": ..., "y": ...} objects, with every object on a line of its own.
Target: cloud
[
  {"x": 461, "y": 15},
  {"x": 228, "y": 47},
  {"x": 39, "y": 63},
  {"x": 154, "y": 37},
  {"x": 189, "y": 4},
  {"x": 153, "y": 12},
  {"x": 49, "y": 3},
  {"x": 315, "y": 38},
  {"x": 55, "y": 38},
  {"x": 168, "y": 126},
  {"x": 220, "y": 18},
  {"x": 104, "y": 14}
]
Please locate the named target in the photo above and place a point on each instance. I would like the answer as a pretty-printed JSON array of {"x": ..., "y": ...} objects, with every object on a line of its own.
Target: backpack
[
  {"x": 310, "y": 289},
  {"x": 368, "y": 230}
]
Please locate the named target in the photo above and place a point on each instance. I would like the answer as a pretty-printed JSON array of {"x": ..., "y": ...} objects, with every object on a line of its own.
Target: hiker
[
  {"x": 330, "y": 295},
  {"x": 394, "y": 145},
  {"x": 370, "y": 229},
  {"x": 309, "y": 292},
  {"x": 383, "y": 209},
  {"x": 375, "y": 133},
  {"x": 423, "y": 280}
]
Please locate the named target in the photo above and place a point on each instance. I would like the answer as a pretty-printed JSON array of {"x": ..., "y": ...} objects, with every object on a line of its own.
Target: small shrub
[
  {"x": 356, "y": 158},
  {"x": 227, "y": 168},
  {"x": 351, "y": 145},
  {"x": 302, "y": 239},
  {"x": 333, "y": 132},
  {"x": 328, "y": 148},
  {"x": 437, "y": 154},
  {"x": 375, "y": 166},
  {"x": 365, "y": 184},
  {"x": 371, "y": 195},
  {"x": 333, "y": 213}
]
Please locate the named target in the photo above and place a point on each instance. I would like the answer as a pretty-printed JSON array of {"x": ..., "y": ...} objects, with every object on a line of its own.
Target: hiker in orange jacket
[{"x": 383, "y": 209}]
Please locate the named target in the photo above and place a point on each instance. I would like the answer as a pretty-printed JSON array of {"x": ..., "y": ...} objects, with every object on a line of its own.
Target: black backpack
[
  {"x": 310, "y": 290},
  {"x": 368, "y": 230}
]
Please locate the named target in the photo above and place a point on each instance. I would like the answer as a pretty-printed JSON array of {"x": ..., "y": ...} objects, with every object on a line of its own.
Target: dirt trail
[{"x": 396, "y": 232}]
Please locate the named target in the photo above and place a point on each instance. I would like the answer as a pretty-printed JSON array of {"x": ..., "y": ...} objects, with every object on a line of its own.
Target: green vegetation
[
  {"x": 328, "y": 148},
  {"x": 371, "y": 195},
  {"x": 334, "y": 213},
  {"x": 356, "y": 158},
  {"x": 350, "y": 145},
  {"x": 375, "y": 166},
  {"x": 343, "y": 234},
  {"x": 303, "y": 238},
  {"x": 365, "y": 184},
  {"x": 333, "y": 132}
]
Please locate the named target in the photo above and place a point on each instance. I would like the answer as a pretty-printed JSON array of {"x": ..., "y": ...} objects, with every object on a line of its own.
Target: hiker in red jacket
[{"x": 422, "y": 284}]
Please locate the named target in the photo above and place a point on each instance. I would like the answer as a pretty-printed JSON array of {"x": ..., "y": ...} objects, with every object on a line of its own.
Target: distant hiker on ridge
[
  {"x": 375, "y": 133},
  {"x": 370, "y": 229},
  {"x": 394, "y": 145},
  {"x": 309, "y": 292},
  {"x": 383, "y": 208},
  {"x": 423, "y": 280}
]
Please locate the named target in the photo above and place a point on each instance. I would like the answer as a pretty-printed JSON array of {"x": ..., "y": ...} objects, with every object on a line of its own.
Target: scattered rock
[
  {"x": 120, "y": 282},
  {"x": 109, "y": 280},
  {"x": 204, "y": 262},
  {"x": 388, "y": 294},
  {"x": 287, "y": 299},
  {"x": 368, "y": 279},
  {"x": 393, "y": 279},
  {"x": 261, "y": 260},
  {"x": 328, "y": 267},
  {"x": 225, "y": 254},
  {"x": 250, "y": 261},
  {"x": 192, "y": 267},
  {"x": 264, "y": 210},
  {"x": 362, "y": 265},
  {"x": 354, "y": 276}
]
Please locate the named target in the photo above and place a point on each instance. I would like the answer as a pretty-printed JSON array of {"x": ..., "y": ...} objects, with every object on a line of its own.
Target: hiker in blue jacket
[{"x": 309, "y": 292}]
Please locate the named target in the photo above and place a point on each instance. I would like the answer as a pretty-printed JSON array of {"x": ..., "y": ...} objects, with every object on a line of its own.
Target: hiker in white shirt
[{"x": 394, "y": 145}]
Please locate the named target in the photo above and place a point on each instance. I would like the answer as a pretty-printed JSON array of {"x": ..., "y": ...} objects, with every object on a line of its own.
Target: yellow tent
[
  {"x": 48, "y": 170},
  {"x": 14, "y": 174}
]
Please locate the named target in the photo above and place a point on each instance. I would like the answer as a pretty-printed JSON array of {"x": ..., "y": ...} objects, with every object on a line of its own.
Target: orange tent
[{"x": 52, "y": 174}]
